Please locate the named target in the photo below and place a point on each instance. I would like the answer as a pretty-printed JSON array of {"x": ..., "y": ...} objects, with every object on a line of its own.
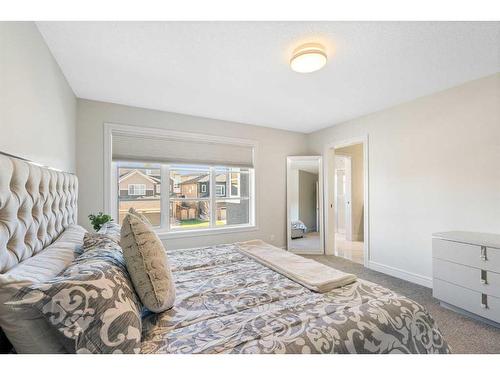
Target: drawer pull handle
[
  {"x": 484, "y": 279},
  {"x": 484, "y": 301},
  {"x": 483, "y": 253}
]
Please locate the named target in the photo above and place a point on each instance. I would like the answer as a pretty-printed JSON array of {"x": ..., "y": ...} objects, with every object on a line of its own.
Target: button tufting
[{"x": 36, "y": 205}]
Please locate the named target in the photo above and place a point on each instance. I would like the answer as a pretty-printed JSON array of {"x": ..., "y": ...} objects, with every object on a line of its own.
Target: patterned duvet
[{"x": 228, "y": 303}]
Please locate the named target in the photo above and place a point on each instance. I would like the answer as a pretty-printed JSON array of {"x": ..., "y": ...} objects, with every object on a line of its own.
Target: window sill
[{"x": 204, "y": 232}]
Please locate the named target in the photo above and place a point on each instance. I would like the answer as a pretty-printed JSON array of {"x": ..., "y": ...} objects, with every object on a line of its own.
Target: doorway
[
  {"x": 346, "y": 221},
  {"x": 342, "y": 204}
]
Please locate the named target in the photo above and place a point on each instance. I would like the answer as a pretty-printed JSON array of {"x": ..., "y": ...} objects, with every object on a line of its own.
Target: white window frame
[
  {"x": 231, "y": 186},
  {"x": 164, "y": 231},
  {"x": 203, "y": 188},
  {"x": 142, "y": 188}
]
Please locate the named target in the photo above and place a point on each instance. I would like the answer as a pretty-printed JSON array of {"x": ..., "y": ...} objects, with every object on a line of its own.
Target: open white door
[
  {"x": 335, "y": 242},
  {"x": 348, "y": 199},
  {"x": 343, "y": 206}
]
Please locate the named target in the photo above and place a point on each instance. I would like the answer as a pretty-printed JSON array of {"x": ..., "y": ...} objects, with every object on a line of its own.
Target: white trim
[
  {"x": 330, "y": 235},
  {"x": 205, "y": 232},
  {"x": 124, "y": 177},
  {"x": 107, "y": 172},
  {"x": 213, "y": 202},
  {"x": 165, "y": 193},
  {"x": 401, "y": 274},
  {"x": 110, "y": 195},
  {"x": 289, "y": 161}
]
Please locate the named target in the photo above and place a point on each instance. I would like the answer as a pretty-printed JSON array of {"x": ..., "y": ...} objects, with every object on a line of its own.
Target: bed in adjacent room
[
  {"x": 227, "y": 299},
  {"x": 298, "y": 229}
]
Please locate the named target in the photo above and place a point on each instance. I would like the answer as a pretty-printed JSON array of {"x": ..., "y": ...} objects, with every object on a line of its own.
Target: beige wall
[
  {"x": 274, "y": 147},
  {"x": 434, "y": 165},
  {"x": 37, "y": 106},
  {"x": 357, "y": 190}
]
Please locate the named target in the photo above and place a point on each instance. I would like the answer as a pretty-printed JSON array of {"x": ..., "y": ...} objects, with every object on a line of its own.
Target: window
[
  {"x": 187, "y": 202},
  {"x": 140, "y": 190},
  {"x": 191, "y": 184},
  {"x": 220, "y": 190},
  {"x": 233, "y": 208},
  {"x": 136, "y": 189}
]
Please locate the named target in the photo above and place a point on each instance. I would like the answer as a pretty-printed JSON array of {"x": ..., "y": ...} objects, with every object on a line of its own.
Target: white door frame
[
  {"x": 289, "y": 161},
  {"x": 347, "y": 196},
  {"x": 329, "y": 214}
]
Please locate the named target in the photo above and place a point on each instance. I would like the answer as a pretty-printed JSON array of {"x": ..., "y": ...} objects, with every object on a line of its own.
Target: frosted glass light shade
[{"x": 308, "y": 58}]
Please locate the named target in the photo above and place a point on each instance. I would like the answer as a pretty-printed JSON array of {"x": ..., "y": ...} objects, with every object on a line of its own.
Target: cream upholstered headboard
[{"x": 36, "y": 205}]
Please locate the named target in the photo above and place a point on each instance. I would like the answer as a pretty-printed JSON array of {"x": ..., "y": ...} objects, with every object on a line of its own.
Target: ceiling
[{"x": 239, "y": 71}]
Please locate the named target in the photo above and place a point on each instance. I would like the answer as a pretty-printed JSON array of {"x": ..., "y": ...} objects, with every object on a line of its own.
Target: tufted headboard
[{"x": 36, "y": 205}]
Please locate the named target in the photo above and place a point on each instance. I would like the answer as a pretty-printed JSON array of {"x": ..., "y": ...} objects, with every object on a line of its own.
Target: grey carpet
[{"x": 463, "y": 334}]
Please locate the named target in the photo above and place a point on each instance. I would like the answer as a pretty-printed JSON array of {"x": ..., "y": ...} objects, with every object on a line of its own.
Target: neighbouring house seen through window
[
  {"x": 187, "y": 201},
  {"x": 139, "y": 189}
]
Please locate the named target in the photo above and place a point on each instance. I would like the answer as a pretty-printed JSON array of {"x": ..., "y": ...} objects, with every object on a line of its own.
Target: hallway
[{"x": 352, "y": 250}]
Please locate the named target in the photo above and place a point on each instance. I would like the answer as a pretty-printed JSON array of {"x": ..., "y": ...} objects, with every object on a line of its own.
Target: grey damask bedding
[
  {"x": 92, "y": 305},
  {"x": 229, "y": 303}
]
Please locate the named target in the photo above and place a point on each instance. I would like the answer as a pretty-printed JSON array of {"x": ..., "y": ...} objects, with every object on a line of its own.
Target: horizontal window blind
[{"x": 186, "y": 151}]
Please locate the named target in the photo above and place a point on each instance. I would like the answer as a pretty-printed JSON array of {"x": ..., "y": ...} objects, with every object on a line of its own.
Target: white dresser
[{"x": 466, "y": 273}]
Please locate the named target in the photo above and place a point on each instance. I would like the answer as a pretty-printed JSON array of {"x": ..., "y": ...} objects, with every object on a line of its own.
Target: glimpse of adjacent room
[
  {"x": 304, "y": 178},
  {"x": 349, "y": 205}
]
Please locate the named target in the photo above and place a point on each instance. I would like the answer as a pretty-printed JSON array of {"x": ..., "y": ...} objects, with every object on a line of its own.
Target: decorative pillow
[
  {"x": 92, "y": 304},
  {"x": 143, "y": 218},
  {"x": 111, "y": 229},
  {"x": 147, "y": 264}
]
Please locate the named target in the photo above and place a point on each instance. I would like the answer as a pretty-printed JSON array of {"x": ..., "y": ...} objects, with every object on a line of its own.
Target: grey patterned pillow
[
  {"x": 147, "y": 264},
  {"x": 102, "y": 241},
  {"x": 92, "y": 304}
]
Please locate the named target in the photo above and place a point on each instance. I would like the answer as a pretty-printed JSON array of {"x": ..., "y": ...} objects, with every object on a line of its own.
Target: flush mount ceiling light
[{"x": 308, "y": 58}]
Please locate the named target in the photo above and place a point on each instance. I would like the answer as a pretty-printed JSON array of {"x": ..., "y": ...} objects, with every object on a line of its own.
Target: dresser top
[{"x": 474, "y": 238}]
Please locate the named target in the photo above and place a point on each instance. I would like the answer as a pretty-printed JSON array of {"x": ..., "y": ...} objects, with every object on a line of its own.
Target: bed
[
  {"x": 298, "y": 229},
  {"x": 227, "y": 302}
]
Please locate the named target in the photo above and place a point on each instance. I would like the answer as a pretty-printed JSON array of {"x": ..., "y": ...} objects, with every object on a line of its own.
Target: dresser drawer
[
  {"x": 467, "y": 299},
  {"x": 467, "y": 277},
  {"x": 469, "y": 255}
]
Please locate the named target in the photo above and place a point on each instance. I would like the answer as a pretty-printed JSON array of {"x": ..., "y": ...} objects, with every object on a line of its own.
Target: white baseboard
[{"x": 401, "y": 274}]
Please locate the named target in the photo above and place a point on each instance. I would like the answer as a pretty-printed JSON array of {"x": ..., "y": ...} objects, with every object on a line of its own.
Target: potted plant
[{"x": 98, "y": 220}]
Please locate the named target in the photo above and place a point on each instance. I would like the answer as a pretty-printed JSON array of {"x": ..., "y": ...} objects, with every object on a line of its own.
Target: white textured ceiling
[{"x": 239, "y": 71}]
